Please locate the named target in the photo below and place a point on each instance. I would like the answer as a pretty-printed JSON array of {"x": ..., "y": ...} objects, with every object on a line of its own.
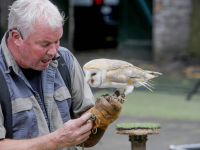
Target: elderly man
[{"x": 45, "y": 113}]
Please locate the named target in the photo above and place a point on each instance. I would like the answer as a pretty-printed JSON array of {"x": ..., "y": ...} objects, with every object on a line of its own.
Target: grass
[
  {"x": 144, "y": 125},
  {"x": 160, "y": 104}
]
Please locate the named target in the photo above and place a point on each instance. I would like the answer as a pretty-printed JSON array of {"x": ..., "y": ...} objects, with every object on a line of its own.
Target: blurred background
[{"x": 157, "y": 35}]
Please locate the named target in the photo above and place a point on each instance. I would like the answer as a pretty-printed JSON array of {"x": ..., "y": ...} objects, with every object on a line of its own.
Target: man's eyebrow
[{"x": 45, "y": 41}]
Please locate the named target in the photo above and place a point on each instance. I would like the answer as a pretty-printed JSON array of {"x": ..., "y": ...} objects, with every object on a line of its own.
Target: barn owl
[{"x": 108, "y": 73}]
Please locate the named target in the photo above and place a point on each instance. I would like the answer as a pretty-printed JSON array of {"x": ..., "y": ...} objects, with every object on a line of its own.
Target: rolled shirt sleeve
[
  {"x": 2, "y": 128},
  {"x": 82, "y": 97}
]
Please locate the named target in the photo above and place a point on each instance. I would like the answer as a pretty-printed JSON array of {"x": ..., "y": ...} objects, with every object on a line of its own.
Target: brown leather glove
[{"x": 106, "y": 110}]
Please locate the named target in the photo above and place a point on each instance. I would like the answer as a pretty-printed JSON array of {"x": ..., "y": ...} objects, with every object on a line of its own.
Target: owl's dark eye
[{"x": 93, "y": 74}]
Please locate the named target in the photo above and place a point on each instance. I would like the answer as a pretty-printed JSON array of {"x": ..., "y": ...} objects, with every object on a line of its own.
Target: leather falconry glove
[{"x": 106, "y": 110}]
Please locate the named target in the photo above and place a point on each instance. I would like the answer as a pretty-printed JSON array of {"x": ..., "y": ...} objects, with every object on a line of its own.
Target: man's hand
[
  {"x": 74, "y": 132},
  {"x": 69, "y": 134},
  {"x": 106, "y": 110}
]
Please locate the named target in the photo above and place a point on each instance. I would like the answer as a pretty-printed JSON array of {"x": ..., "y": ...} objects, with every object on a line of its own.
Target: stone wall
[{"x": 171, "y": 28}]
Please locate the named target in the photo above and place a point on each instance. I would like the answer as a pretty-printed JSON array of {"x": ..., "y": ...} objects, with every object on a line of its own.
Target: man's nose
[{"x": 53, "y": 49}]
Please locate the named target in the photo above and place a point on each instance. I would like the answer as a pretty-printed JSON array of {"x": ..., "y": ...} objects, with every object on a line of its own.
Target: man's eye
[{"x": 44, "y": 45}]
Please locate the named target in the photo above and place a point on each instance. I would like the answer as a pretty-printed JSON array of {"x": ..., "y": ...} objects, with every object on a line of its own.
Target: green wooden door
[{"x": 135, "y": 28}]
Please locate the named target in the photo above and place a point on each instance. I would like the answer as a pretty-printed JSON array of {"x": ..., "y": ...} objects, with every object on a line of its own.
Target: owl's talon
[
  {"x": 105, "y": 95},
  {"x": 123, "y": 95},
  {"x": 121, "y": 98},
  {"x": 117, "y": 93}
]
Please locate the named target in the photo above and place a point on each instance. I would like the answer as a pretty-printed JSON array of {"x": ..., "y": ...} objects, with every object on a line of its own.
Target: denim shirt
[{"x": 30, "y": 119}]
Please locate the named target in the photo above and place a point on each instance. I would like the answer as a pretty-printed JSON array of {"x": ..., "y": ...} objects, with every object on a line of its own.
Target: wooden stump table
[{"x": 138, "y": 133}]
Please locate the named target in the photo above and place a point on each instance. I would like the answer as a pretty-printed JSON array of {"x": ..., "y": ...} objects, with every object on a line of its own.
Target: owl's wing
[{"x": 126, "y": 75}]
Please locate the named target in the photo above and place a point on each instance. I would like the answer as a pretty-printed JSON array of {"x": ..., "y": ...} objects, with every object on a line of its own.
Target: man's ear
[{"x": 16, "y": 37}]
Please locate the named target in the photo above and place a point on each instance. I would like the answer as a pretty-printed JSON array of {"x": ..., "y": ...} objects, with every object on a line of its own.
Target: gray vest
[{"x": 29, "y": 116}]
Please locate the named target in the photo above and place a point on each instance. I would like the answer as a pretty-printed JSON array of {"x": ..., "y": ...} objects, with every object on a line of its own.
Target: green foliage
[{"x": 144, "y": 125}]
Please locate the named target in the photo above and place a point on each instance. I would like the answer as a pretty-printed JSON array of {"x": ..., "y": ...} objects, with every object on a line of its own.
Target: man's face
[{"x": 40, "y": 47}]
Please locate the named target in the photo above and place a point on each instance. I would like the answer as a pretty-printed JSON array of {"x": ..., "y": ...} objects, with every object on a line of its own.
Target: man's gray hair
[{"x": 24, "y": 13}]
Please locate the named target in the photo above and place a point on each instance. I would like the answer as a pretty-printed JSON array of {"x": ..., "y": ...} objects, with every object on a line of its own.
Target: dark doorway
[{"x": 96, "y": 24}]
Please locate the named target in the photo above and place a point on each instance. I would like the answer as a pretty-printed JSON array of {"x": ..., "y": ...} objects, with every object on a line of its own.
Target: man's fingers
[
  {"x": 86, "y": 127},
  {"x": 83, "y": 139},
  {"x": 83, "y": 119},
  {"x": 84, "y": 136}
]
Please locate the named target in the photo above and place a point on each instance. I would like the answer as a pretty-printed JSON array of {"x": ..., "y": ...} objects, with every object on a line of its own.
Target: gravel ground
[{"x": 172, "y": 132}]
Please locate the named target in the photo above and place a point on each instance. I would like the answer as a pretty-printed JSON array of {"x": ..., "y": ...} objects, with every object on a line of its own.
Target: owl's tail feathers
[
  {"x": 149, "y": 75},
  {"x": 152, "y": 74}
]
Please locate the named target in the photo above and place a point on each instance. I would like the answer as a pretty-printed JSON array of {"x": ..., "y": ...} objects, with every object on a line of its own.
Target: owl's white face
[{"x": 93, "y": 77}]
